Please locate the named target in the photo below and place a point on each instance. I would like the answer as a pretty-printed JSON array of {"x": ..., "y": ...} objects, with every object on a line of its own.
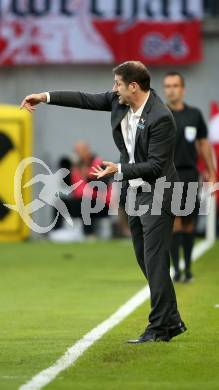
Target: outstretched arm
[{"x": 99, "y": 101}]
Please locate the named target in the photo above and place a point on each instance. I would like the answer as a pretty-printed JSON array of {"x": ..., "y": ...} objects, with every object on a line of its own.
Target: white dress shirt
[
  {"x": 129, "y": 127},
  {"x": 47, "y": 97}
]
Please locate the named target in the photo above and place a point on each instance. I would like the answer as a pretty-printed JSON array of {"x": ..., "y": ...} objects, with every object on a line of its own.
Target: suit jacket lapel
[
  {"x": 143, "y": 119},
  {"x": 118, "y": 115},
  {"x": 116, "y": 118}
]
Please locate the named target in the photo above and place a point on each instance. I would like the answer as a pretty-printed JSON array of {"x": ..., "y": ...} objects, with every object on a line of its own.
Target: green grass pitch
[{"x": 51, "y": 295}]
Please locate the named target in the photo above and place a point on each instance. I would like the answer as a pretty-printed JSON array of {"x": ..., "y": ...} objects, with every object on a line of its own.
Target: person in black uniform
[{"x": 191, "y": 140}]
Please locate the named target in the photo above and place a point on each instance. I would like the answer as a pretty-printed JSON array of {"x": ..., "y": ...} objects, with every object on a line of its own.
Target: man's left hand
[
  {"x": 110, "y": 169},
  {"x": 210, "y": 177}
]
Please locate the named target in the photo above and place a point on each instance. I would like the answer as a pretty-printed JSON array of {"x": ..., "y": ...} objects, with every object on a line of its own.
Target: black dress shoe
[
  {"x": 177, "y": 277},
  {"x": 148, "y": 337},
  {"x": 176, "y": 330},
  {"x": 188, "y": 277}
]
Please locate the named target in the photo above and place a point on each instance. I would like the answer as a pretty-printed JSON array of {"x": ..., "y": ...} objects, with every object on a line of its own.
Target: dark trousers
[{"x": 151, "y": 236}]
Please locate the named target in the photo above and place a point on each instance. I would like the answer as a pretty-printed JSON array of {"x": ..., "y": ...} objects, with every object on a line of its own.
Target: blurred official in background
[
  {"x": 81, "y": 168},
  {"x": 191, "y": 140}
]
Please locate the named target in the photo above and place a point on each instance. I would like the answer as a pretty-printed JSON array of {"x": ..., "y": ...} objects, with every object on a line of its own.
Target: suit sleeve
[
  {"x": 161, "y": 145},
  {"x": 88, "y": 101}
]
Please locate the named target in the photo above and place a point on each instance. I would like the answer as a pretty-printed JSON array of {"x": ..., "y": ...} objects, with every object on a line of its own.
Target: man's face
[
  {"x": 173, "y": 89},
  {"x": 124, "y": 91},
  {"x": 83, "y": 151}
]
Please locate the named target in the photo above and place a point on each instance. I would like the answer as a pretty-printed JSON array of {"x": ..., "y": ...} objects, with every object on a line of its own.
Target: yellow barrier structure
[{"x": 15, "y": 144}]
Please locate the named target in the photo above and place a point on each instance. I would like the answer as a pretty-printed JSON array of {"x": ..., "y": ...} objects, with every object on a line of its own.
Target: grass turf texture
[{"x": 51, "y": 295}]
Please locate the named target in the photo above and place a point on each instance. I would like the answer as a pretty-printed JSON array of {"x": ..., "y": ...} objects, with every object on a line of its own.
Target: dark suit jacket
[{"x": 155, "y": 138}]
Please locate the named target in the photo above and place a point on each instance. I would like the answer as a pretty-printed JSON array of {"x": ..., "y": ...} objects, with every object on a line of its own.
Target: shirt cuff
[
  {"x": 47, "y": 97},
  {"x": 118, "y": 175}
]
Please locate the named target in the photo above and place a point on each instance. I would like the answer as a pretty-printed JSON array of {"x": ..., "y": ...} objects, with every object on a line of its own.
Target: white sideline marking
[
  {"x": 73, "y": 353},
  {"x": 76, "y": 350}
]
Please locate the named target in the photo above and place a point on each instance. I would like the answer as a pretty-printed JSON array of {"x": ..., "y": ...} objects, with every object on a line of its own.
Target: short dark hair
[
  {"x": 134, "y": 71},
  {"x": 175, "y": 73}
]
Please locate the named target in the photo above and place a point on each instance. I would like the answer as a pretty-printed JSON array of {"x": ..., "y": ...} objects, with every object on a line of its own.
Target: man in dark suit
[{"x": 144, "y": 132}]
